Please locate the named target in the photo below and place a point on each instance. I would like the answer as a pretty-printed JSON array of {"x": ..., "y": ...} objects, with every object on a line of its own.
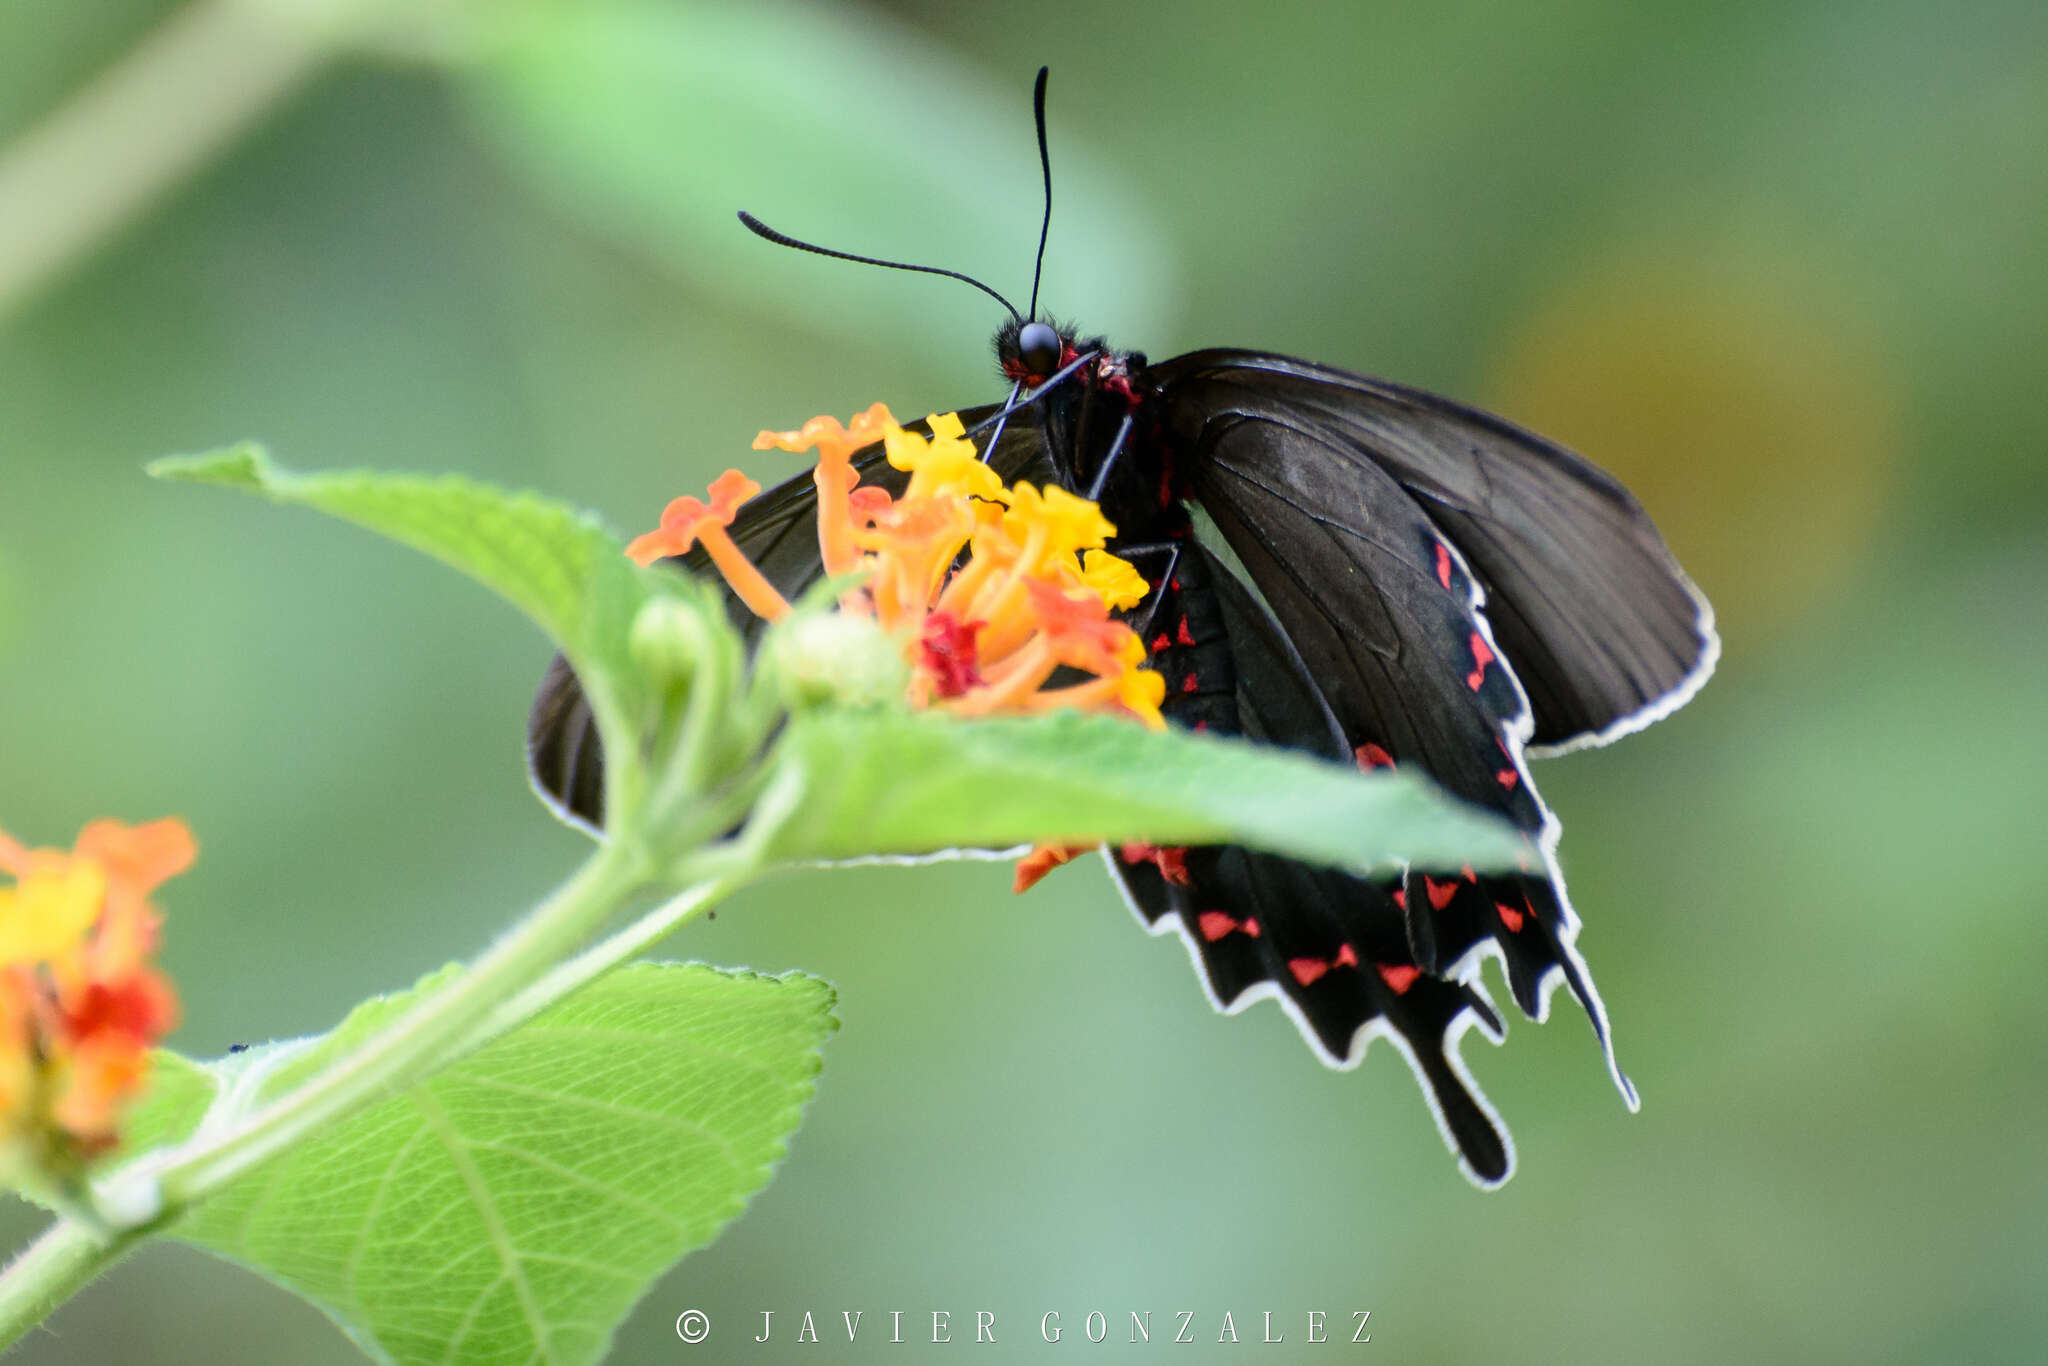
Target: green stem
[
  {"x": 422, "y": 1039},
  {"x": 605, "y": 955},
  {"x": 52, "y": 1269},
  {"x": 506, "y": 987}
]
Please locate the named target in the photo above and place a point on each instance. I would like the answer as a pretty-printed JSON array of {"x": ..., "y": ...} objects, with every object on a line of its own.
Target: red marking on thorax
[
  {"x": 1481, "y": 657},
  {"x": 1347, "y": 957},
  {"x": 1443, "y": 564},
  {"x": 1015, "y": 369},
  {"x": 1399, "y": 977}
]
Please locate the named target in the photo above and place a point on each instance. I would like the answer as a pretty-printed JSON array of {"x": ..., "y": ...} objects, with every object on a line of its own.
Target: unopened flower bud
[
  {"x": 837, "y": 657},
  {"x": 669, "y": 638}
]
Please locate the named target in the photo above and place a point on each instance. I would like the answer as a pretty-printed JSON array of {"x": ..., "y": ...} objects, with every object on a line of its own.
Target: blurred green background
[{"x": 1780, "y": 266}]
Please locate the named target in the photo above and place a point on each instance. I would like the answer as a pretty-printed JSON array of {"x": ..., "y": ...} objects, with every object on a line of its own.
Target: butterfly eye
[{"x": 1038, "y": 346}]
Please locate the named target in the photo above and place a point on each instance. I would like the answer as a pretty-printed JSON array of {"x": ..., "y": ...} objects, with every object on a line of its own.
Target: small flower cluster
[
  {"x": 80, "y": 1002},
  {"x": 992, "y": 589}
]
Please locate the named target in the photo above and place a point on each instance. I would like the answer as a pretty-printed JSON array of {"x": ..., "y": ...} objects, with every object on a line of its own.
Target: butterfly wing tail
[{"x": 1332, "y": 950}]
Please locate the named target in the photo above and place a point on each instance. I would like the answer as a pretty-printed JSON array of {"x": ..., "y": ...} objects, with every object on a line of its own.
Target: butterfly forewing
[{"x": 1604, "y": 630}]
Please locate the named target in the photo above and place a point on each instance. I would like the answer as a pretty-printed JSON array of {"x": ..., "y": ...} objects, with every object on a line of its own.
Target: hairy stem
[
  {"x": 423, "y": 1039},
  {"x": 52, "y": 1269}
]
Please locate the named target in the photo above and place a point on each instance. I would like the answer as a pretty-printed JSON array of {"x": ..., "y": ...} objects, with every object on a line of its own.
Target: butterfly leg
[
  {"x": 1116, "y": 448},
  {"x": 1002, "y": 419},
  {"x": 1161, "y": 585}
]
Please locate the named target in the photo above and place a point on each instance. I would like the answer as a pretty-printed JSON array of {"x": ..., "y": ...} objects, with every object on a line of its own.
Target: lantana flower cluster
[
  {"x": 991, "y": 588},
  {"x": 81, "y": 1003}
]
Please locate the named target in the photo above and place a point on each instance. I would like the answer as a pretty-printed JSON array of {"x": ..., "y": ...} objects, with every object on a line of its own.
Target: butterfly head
[{"x": 1031, "y": 351}]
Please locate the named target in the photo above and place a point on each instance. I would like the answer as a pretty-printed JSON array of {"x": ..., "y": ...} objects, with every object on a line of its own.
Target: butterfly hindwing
[
  {"x": 1387, "y": 620},
  {"x": 1332, "y": 948}
]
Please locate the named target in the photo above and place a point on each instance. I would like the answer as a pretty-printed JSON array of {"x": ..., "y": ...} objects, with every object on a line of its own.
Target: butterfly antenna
[
  {"x": 783, "y": 239},
  {"x": 1044, "y": 165}
]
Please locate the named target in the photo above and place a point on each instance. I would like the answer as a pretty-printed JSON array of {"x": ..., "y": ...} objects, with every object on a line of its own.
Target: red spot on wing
[
  {"x": 1172, "y": 862},
  {"x": 1443, "y": 564},
  {"x": 1509, "y": 917},
  {"x": 1184, "y": 636},
  {"x": 1201, "y": 725},
  {"x": 1190, "y": 683},
  {"x": 1160, "y": 642},
  {"x": 1482, "y": 656},
  {"x": 1440, "y": 893},
  {"x": 1398, "y": 976},
  {"x": 1507, "y": 778},
  {"x": 1401, "y": 897},
  {"x": 1215, "y": 924},
  {"x": 1310, "y": 970},
  {"x": 1371, "y": 756}
]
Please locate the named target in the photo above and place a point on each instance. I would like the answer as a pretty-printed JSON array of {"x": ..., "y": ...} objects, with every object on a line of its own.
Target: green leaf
[
  {"x": 514, "y": 1207},
  {"x": 179, "y": 1092},
  {"x": 555, "y": 564},
  {"x": 886, "y": 782}
]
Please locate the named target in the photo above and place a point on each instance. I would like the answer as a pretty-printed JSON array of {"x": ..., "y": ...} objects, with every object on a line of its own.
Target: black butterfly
[{"x": 1389, "y": 578}]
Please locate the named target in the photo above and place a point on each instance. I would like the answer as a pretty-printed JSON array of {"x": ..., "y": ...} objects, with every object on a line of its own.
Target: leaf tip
[{"x": 246, "y": 465}]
